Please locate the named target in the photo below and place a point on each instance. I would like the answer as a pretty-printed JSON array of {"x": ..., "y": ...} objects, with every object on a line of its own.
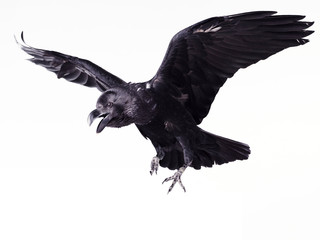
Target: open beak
[{"x": 103, "y": 123}]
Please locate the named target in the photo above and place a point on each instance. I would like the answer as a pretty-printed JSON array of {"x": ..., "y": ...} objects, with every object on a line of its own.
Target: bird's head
[{"x": 117, "y": 108}]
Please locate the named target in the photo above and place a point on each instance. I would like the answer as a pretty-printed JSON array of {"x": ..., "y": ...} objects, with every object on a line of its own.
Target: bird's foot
[
  {"x": 176, "y": 178},
  {"x": 154, "y": 165}
]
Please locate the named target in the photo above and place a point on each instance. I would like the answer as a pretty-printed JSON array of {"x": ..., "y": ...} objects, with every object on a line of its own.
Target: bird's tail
[{"x": 213, "y": 149}]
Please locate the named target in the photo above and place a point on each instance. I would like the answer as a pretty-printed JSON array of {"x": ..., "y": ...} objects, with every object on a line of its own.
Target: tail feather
[
  {"x": 209, "y": 149},
  {"x": 213, "y": 149}
]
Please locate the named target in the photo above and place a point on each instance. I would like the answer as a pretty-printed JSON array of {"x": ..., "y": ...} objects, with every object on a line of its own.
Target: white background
[{"x": 60, "y": 180}]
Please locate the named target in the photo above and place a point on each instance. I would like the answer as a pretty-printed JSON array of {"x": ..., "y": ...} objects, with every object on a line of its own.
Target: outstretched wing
[
  {"x": 71, "y": 68},
  {"x": 201, "y": 57}
]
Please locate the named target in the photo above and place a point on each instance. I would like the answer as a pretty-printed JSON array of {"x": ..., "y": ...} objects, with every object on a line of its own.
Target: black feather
[{"x": 168, "y": 108}]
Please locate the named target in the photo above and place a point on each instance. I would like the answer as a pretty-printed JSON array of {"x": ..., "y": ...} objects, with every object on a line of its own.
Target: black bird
[{"x": 168, "y": 108}]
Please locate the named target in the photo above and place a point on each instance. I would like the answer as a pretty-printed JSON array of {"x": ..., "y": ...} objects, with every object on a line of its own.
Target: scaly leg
[
  {"x": 155, "y": 160},
  {"x": 187, "y": 155},
  {"x": 154, "y": 165}
]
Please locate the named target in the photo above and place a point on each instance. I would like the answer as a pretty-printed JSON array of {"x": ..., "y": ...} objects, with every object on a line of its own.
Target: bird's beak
[
  {"x": 92, "y": 116},
  {"x": 103, "y": 123}
]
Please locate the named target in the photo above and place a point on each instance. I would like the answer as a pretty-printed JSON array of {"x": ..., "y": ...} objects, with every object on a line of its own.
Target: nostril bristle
[{"x": 99, "y": 106}]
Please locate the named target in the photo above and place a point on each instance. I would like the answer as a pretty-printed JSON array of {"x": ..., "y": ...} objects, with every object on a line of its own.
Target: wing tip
[
  {"x": 22, "y": 43},
  {"x": 22, "y": 39}
]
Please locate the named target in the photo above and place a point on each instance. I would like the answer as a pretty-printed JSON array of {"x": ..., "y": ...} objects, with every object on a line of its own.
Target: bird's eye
[{"x": 109, "y": 104}]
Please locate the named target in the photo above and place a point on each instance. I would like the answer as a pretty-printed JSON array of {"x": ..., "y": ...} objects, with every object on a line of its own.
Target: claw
[
  {"x": 154, "y": 165},
  {"x": 176, "y": 178}
]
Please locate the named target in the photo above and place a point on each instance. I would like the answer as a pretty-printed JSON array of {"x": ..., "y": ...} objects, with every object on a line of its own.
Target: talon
[
  {"x": 176, "y": 178},
  {"x": 167, "y": 179},
  {"x": 184, "y": 189},
  {"x": 154, "y": 165}
]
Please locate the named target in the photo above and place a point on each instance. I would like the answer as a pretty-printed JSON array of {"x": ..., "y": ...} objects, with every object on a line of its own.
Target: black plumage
[{"x": 168, "y": 108}]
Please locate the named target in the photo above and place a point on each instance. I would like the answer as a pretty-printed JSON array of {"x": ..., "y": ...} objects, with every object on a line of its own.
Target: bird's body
[{"x": 168, "y": 108}]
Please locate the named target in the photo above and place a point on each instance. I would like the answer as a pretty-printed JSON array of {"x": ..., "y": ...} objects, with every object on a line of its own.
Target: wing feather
[
  {"x": 71, "y": 68},
  {"x": 203, "y": 56}
]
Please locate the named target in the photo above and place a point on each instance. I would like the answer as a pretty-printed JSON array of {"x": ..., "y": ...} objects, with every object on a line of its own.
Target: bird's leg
[
  {"x": 155, "y": 160},
  {"x": 176, "y": 178},
  {"x": 154, "y": 165},
  {"x": 187, "y": 154}
]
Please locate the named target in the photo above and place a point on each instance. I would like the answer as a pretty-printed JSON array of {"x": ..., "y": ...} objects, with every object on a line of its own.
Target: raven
[{"x": 168, "y": 108}]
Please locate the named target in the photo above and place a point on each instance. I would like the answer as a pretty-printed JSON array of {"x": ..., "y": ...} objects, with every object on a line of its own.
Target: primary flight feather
[{"x": 168, "y": 108}]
